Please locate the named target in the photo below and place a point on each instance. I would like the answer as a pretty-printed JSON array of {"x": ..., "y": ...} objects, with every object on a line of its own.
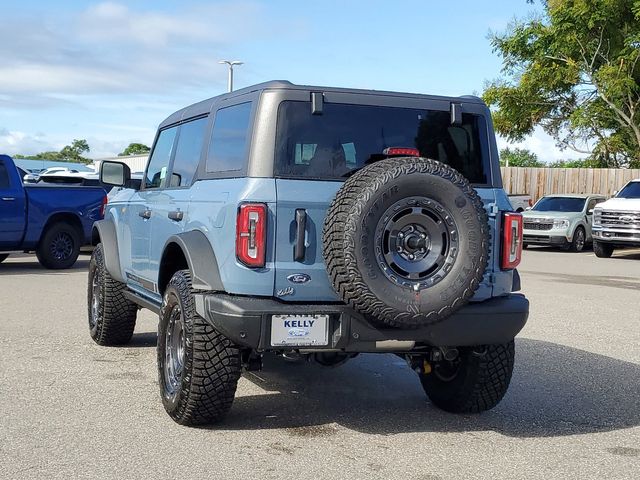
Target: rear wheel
[
  {"x": 474, "y": 382},
  {"x": 198, "y": 367},
  {"x": 59, "y": 246},
  {"x": 3, "y": 257},
  {"x": 578, "y": 241},
  {"x": 602, "y": 250},
  {"x": 112, "y": 318}
]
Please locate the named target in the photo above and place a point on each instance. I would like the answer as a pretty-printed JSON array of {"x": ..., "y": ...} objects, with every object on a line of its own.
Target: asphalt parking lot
[{"x": 72, "y": 409}]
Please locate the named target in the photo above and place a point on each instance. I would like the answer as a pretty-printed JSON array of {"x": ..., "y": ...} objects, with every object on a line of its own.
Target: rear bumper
[{"x": 247, "y": 322}]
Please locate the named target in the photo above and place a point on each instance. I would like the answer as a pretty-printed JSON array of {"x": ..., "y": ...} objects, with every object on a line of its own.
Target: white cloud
[
  {"x": 13, "y": 142},
  {"x": 111, "y": 48},
  {"x": 543, "y": 145},
  {"x": 109, "y": 143}
]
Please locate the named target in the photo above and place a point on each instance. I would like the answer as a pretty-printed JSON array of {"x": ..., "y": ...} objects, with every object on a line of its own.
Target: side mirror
[
  {"x": 615, "y": 192},
  {"x": 590, "y": 211},
  {"x": 528, "y": 208},
  {"x": 116, "y": 174}
]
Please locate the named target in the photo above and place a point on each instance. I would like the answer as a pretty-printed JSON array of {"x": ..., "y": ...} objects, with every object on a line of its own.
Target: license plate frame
[{"x": 300, "y": 330}]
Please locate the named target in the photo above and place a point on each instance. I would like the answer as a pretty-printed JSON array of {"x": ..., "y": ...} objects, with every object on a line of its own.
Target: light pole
[{"x": 231, "y": 63}]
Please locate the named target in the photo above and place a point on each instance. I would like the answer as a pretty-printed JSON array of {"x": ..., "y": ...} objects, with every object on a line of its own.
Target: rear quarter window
[{"x": 229, "y": 139}]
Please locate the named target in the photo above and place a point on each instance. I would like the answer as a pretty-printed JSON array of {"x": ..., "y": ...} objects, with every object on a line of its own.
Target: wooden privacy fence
[{"x": 538, "y": 182}]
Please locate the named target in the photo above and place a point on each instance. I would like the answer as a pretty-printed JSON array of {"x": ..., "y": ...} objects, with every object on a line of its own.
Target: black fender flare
[
  {"x": 106, "y": 232},
  {"x": 201, "y": 259}
]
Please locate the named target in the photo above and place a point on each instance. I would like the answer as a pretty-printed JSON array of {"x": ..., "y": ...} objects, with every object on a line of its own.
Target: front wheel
[
  {"x": 602, "y": 250},
  {"x": 578, "y": 241},
  {"x": 474, "y": 382},
  {"x": 112, "y": 317},
  {"x": 198, "y": 367},
  {"x": 59, "y": 246}
]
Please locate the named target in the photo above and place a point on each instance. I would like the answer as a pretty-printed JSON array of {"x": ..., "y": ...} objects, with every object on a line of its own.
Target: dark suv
[{"x": 318, "y": 222}]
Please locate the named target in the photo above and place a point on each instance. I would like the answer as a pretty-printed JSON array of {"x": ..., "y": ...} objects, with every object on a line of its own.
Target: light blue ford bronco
[{"x": 319, "y": 223}]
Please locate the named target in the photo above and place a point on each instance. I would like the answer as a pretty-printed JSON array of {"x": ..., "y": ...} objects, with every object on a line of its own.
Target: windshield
[
  {"x": 559, "y": 204},
  {"x": 346, "y": 137},
  {"x": 632, "y": 190}
]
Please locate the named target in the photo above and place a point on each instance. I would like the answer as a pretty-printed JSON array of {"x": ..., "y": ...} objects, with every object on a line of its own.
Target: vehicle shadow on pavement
[
  {"x": 555, "y": 391},
  {"x": 626, "y": 255},
  {"x": 26, "y": 266},
  {"x": 144, "y": 339}
]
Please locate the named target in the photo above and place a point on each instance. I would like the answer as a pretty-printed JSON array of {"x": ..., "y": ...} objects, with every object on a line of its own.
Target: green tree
[
  {"x": 73, "y": 152},
  {"x": 69, "y": 153},
  {"x": 134, "y": 149},
  {"x": 519, "y": 157},
  {"x": 581, "y": 163},
  {"x": 575, "y": 71}
]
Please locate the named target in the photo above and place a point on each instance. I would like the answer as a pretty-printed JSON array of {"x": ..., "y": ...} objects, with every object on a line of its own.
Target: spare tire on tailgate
[{"x": 406, "y": 241}]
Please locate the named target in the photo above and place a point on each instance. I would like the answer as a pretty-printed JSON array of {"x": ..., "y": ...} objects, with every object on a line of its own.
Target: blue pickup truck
[{"x": 53, "y": 221}]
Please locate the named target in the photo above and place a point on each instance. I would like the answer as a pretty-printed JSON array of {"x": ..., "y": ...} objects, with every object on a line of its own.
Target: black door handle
[
  {"x": 301, "y": 228},
  {"x": 146, "y": 213},
  {"x": 176, "y": 215}
]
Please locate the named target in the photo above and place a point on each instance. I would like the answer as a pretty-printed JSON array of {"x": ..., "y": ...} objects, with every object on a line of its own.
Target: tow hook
[
  {"x": 420, "y": 364},
  {"x": 423, "y": 364}
]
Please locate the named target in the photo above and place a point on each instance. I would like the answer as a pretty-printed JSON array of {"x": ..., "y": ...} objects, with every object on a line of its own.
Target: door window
[
  {"x": 228, "y": 147},
  {"x": 188, "y": 152},
  {"x": 4, "y": 176},
  {"x": 156, "y": 176}
]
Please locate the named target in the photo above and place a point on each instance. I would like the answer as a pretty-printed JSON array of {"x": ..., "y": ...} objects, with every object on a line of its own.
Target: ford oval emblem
[{"x": 299, "y": 278}]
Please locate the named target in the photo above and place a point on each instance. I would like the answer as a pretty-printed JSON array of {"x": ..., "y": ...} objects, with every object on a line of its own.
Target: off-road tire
[
  {"x": 480, "y": 383},
  {"x": 47, "y": 257},
  {"x": 575, "y": 245},
  {"x": 116, "y": 316},
  {"x": 602, "y": 250},
  {"x": 212, "y": 363},
  {"x": 350, "y": 240},
  {"x": 3, "y": 257}
]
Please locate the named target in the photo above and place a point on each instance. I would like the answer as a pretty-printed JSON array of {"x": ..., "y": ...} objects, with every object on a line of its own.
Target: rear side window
[
  {"x": 188, "y": 152},
  {"x": 156, "y": 176},
  {"x": 347, "y": 137},
  {"x": 229, "y": 138},
  {"x": 4, "y": 176}
]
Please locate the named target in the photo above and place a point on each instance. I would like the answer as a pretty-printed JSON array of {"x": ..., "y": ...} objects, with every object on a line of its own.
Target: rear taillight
[
  {"x": 251, "y": 234},
  {"x": 511, "y": 240},
  {"x": 103, "y": 208},
  {"x": 401, "y": 152}
]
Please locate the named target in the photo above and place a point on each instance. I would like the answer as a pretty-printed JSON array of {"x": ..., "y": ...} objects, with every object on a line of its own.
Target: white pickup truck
[
  {"x": 520, "y": 202},
  {"x": 616, "y": 222}
]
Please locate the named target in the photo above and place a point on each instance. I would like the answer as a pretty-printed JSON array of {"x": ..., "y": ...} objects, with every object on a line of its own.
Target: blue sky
[{"x": 110, "y": 72}]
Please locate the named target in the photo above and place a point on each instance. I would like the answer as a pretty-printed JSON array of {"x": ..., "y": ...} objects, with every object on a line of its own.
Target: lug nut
[
  {"x": 401, "y": 235},
  {"x": 411, "y": 256}
]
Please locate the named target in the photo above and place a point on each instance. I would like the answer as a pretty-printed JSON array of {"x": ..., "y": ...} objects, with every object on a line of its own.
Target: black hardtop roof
[{"x": 204, "y": 106}]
